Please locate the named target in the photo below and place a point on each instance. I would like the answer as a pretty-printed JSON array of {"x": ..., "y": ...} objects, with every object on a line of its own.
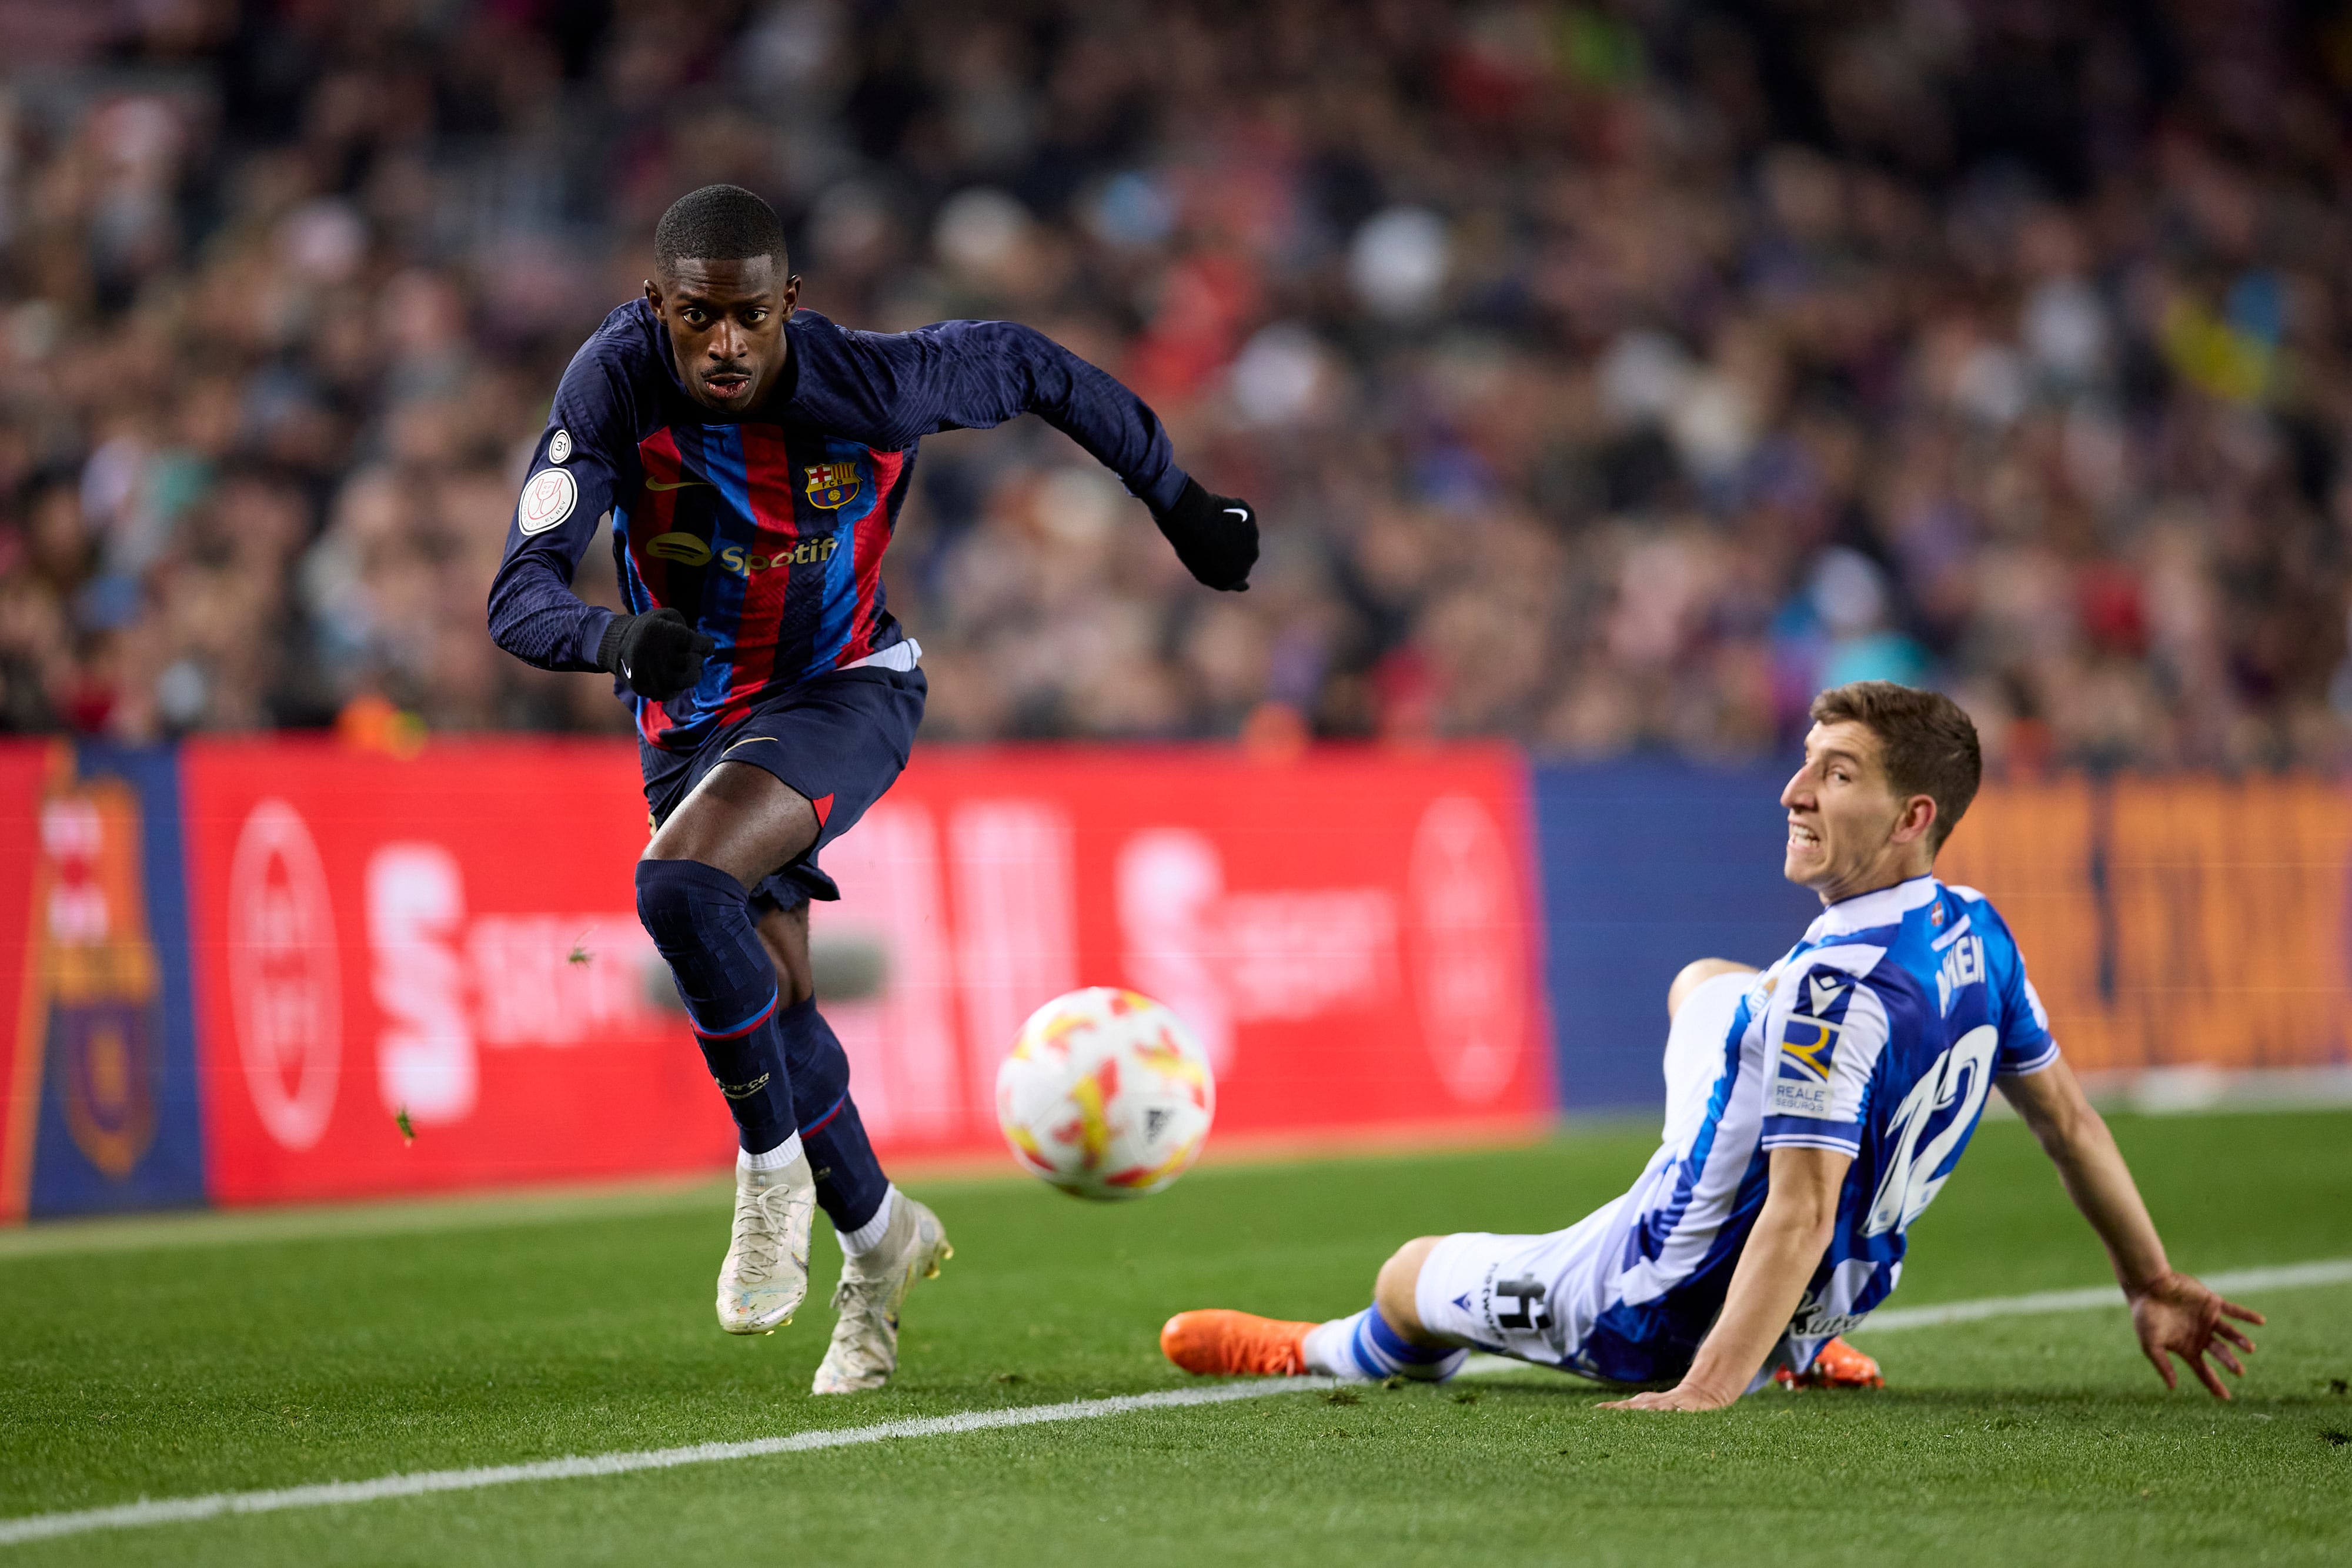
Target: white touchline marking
[
  {"x": 329, "y": 1494},
  {"x": 2329, "y": 1272},
  {"x": 2286, "y": 1277}
]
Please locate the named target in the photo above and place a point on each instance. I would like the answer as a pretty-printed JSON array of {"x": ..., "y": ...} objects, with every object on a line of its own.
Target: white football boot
[
  {"x": 765, "y": 1277},
  {"x": 864, "y": 1349}
]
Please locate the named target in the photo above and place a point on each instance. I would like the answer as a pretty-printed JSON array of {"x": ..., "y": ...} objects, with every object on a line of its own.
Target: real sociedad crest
[{"x": 832, "y": 484}]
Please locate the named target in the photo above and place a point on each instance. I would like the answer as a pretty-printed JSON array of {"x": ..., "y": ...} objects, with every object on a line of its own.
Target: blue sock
[
  {"x": 850, "y": 1184},
  {"x": 700, "y": 919},
  {"x": 1365, "y": 1346}
]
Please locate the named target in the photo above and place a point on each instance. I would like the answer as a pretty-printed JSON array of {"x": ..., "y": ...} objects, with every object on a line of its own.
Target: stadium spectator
[{"x": 1611, "y": 375}]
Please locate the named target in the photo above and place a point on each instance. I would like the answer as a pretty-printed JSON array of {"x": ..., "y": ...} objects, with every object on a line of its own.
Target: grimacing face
[
  {"x": 1848, "y": 831},
  {"x": 725, "y": 325}
]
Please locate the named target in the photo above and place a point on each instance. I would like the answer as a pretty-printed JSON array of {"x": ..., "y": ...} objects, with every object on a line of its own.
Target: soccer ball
[{"x": 1107, "y": 1094}]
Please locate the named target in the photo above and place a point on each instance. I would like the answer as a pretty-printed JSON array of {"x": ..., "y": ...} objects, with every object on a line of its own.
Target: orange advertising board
[{"x": 2174, "y": 921}]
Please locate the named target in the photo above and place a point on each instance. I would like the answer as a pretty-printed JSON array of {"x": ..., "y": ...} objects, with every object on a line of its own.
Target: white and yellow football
[{"x": 1106, "y": 1094}]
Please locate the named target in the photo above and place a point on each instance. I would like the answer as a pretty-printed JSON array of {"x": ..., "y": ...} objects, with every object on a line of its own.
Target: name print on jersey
[{"x": 1963, "y": 964}]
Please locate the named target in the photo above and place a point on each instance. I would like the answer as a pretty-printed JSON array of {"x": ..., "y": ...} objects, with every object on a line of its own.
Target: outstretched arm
[
  {"x": 1790, "y": 1235},
  {"x": 972, "y": 375},
  {"x": 2172, "y": 1313}
]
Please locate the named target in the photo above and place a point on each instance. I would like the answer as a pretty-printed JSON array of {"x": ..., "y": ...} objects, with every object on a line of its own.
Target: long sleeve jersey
[{"x": 766, "y": 530}]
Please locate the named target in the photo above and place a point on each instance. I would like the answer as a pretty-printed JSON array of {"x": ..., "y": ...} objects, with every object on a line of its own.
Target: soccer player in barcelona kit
[
  {"x": 1812, "y": 1111},
  {"x": 754, "y": 458}
]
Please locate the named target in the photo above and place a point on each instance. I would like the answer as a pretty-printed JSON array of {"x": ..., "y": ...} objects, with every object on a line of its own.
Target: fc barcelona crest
[
  {"x": 832, "y": 484},
  {"x": 103, "y": 980}
]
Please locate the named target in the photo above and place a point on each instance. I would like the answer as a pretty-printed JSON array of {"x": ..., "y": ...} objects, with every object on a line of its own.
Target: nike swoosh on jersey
[
  {"x": 682, "y": 484},
  {"x": 1238, "y": 511}
]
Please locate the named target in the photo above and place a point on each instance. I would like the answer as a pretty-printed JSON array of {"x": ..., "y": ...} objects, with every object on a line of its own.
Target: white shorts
[
  {"x": 1543, "y": 1298},
  {"x": 1502, "y": 1294}
]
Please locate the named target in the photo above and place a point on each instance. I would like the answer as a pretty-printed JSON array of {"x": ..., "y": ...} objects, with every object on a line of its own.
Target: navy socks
[
  {"x": 700, "y": 919},
  {"x": 781, "y": 1068},
  {"x": 850, "y": 1184}
]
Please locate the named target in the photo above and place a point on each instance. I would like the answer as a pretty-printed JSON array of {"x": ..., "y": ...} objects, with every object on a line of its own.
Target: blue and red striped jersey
[{"x": 766, "y": 530}]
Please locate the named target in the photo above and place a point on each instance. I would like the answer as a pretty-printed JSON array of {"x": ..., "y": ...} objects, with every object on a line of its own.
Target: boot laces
[{"x": 758, "y": 1234}]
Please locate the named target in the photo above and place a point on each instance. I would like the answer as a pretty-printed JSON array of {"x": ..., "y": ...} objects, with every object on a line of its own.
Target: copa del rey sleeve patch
[{"x": 548, "y": 498}]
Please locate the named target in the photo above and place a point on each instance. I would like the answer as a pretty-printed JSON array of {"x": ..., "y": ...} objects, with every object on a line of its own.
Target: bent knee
[
  {"x": 1698, "y": 973},
  {"x": 673, "y": 894},
  {"x": 1400, "y": 1277}
]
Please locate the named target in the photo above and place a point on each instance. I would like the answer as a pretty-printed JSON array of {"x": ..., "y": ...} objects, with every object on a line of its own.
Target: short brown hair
[{"x": 1928, "y": 743}]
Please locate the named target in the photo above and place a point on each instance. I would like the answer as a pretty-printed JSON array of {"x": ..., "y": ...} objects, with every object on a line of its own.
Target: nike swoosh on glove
[
  {"x": 1215, "y": 535},
  {"x": 658, "y": 655}
]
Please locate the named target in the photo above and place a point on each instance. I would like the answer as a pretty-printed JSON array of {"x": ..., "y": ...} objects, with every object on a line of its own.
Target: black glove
[
  {"x": 658, "y": 654},
  {"x": 1215, "y": 535}
]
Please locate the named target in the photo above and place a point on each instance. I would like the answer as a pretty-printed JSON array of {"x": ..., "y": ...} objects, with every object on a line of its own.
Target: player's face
[
  {"x": 726, "y": 323},
  {"x": 1848, "y": 831}
]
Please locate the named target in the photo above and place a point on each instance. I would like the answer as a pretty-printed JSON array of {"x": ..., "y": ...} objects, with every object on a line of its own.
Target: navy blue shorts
[{"x": 840, "y": 739}]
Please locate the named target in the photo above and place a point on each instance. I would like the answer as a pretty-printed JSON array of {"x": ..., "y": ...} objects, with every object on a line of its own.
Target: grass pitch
[{"x": 227, "y": 1352}]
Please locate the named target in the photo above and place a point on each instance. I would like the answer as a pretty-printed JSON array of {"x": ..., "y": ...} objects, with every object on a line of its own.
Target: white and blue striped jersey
[{"x": 1878, "y": 1035}]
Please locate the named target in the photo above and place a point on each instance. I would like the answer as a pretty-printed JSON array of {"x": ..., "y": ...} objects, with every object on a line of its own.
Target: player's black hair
[
  {"x": 717, "y": 223},
  {"x": 1927, "y": 741}
]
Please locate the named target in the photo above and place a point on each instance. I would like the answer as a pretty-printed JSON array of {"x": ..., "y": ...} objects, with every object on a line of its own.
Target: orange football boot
[
  {"x": 1220, "y": 1343},
  {"x": 1837, "y": 1365}
]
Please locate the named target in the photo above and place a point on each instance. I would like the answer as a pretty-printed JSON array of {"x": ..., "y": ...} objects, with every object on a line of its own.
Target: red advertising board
[
  {"x": 25, "y": 766},
  {"x": 1353, "y": 935},
  {"x": 373, "y": 936}
]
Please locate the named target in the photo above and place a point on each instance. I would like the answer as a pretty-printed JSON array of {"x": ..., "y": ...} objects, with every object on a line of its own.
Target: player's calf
[
  {"x": 700, "y": 918},
  {"x": 1370, "y": 1345},
  {"x": 851, "y": 1185}
]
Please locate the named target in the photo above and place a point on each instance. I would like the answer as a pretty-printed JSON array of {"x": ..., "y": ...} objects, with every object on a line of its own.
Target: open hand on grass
[
  {"x": 2179, "y": 1316},
  {"x": 1681, "y": 1397}
]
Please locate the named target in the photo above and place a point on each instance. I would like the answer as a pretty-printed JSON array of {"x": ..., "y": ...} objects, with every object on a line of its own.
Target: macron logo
[{"x": 1825, "y": 991}]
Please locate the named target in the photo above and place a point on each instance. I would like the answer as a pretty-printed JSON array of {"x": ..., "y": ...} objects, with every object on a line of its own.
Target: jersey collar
[{"x": 1868, "y": 910}]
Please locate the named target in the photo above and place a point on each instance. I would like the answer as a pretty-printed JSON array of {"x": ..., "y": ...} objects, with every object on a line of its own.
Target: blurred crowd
[{"x": 1612, "y": 374}]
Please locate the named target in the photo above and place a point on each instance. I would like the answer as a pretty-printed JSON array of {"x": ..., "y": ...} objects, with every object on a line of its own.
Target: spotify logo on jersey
[
  {"x": 689, "y": 549},
  {"x": 682, "y": 547}
]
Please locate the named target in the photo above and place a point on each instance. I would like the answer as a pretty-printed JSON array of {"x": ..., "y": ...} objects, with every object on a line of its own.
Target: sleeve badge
[
  {"x": 548, "y": 498},
  {"x": 1801, "y": 1079}
]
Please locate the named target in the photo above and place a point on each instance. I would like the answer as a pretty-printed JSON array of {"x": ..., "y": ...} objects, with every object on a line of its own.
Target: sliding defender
[
  {"x": 1813, "y": 1112},
  {"x": 753, "y": 459}
]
